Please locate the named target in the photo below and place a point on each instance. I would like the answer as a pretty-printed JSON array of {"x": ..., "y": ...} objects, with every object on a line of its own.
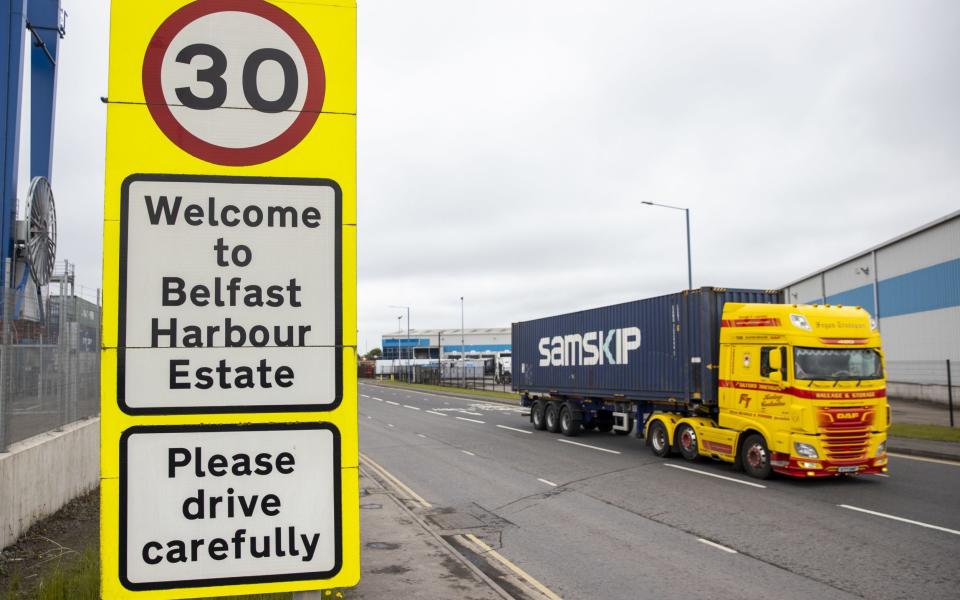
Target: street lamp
[
  {"x": 686, "y": 212},
  {"x": 408, "y": 323},
  {"x": 463, "y": 356}
]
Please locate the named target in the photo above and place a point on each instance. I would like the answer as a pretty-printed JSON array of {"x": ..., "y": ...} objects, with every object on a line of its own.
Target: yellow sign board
[{"x": 229, "y": 399}]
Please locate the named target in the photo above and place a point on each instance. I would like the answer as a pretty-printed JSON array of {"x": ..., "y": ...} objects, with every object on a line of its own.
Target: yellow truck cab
[{"x": 801, "y": 391}]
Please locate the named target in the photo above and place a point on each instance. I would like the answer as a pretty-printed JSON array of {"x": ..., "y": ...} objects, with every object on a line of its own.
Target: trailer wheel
[
  {"x": 569, "y": 425},
  {"x": 659, "y": 442},
  {"x": 552, "y": 417},
  {"x": 755, "y": 457},
  {"x": 536, "y": 415},
  {"x": 686, "y": 440}
]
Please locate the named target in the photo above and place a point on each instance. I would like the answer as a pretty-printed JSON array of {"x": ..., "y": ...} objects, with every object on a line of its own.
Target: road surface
[{"x": 598, "y": 516}]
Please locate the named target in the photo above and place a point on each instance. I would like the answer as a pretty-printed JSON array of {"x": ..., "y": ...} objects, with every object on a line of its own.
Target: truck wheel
[
  {"x": 686, "y": 439},
  {"x": 569, "y": 425},
  {"x": 659, "y": 442},
  {"x": 536, "y": 415},
  {"x": 552, "y": 417},
  {"x": 755, "y": 457}
]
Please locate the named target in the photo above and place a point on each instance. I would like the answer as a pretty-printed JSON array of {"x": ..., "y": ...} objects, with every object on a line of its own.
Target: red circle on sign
[{"x": 223, "y": 155}]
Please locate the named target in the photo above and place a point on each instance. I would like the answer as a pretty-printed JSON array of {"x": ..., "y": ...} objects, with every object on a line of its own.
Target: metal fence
[
  {"x": 454, "y": 376},
  {"x": 927, "y": 380},
  {"x": 49, "y": 361}
]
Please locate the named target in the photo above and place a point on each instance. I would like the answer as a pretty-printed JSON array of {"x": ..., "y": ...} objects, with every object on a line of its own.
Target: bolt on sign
[{"x": 229, "y": 397}]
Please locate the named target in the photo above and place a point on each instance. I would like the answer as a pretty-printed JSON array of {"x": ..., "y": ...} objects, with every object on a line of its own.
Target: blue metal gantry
[{"x": 44, "y": 22}]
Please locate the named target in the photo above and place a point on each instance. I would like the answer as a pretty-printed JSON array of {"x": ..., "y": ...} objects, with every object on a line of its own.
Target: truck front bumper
[{"x": 795, "y": 466}]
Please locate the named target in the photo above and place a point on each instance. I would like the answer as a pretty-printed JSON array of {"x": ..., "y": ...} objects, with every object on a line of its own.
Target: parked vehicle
[{"x": 733, "y": 375}]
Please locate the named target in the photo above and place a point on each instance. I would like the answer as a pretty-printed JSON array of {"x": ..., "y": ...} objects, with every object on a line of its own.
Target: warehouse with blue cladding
[{"x": 911, "y": 284}]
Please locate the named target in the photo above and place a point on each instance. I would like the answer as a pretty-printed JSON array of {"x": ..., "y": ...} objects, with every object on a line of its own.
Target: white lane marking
[
  {"x": 421, "y": 435},
  {"x": 364, "y": 396},
  {"x": 389, "y": 424},
  {"x": 393, "y": 403},
  {"x": 369, "y": 417},
  {"x": 718, "y": 546},
  {"x": 468, "y": 452},
  {"x": 699, "y": 472},
  {"x": 895, "y": 518},
  {"x": 410, "y": 407},
  {"x": 472, "y": 420},
  {"x": 433, "y": 412},
  {"x": 589, "y": 446},
  {"x": 550, "y": 483},
  {"x": 377, "y": 399},
  {"x": 925, "y": 459},
  {"x": 879, "y": 474},
  {"x": 488, "y": 551},
  {"x": 514, "y": 429}
]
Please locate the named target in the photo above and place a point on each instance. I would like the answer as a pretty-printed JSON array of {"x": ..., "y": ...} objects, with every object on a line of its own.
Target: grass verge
[
  {"x": 450, "y": 390},
  {"x": 939, "y": 433}
]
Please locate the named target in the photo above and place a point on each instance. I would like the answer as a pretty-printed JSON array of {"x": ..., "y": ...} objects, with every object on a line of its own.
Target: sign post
[{"x": 229, "y": 401}]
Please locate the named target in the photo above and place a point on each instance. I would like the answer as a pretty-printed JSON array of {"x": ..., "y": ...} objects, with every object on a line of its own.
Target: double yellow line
[{"x": 468, "y": 540}]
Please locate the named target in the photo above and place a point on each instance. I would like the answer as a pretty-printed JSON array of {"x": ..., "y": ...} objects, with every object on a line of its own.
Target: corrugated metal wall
[{"x": 914, "y": 285}]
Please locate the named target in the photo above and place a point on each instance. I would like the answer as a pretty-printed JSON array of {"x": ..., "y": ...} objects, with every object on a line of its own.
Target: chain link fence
[{"x": 49, "y": 361}]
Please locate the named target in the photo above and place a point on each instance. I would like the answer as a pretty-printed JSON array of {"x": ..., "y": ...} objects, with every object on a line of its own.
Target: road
[{"x": 604, "y": 518}]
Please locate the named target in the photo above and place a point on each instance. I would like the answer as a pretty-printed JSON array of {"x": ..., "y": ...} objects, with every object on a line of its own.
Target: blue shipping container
[{"x": 658, "y": 349}]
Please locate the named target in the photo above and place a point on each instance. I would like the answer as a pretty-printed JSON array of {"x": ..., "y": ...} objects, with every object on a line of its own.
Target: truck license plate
[{"x": 848, "y": 469}]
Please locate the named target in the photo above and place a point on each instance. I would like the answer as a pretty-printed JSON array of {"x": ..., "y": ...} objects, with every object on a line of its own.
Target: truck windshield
[{"x": 847, "y": 364}]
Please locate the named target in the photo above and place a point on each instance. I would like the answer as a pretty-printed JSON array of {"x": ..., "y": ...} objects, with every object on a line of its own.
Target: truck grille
[{"x": 845, "y": 431}]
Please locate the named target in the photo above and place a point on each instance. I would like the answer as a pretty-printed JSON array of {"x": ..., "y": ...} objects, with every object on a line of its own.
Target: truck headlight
[
  {"x": 882, "y": 448},
  {"x": 805, "y": 450}
]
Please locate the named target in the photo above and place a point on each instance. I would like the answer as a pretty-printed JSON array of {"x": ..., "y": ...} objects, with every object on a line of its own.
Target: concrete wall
[{"x": 41, "y": 474}]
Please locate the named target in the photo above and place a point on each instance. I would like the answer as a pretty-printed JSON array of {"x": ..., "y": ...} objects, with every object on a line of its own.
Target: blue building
[
  {"x": 911, "y": 285},
  {"x": 446, "y": 343}
]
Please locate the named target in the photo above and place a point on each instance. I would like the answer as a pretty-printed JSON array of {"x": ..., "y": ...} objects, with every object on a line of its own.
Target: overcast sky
[{"x": 504, "y": 147}]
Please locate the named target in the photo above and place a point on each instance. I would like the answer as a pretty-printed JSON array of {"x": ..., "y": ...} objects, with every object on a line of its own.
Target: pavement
[
  {"x": 600, "y": 516},
  {"x": 403, "y": 558}
]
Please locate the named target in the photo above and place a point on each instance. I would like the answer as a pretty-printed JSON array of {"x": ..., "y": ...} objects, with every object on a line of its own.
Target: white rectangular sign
[
  {"x": 229, "y": 295},
  {"x": 229, "y": 504}
]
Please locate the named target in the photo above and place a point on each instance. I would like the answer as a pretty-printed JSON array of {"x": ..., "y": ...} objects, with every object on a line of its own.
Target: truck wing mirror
[{"x": 775, "y": 362}]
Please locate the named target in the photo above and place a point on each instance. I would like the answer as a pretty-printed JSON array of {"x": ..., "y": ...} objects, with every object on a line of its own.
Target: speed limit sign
[
  {"x": 229, "y": 451},
  {"x": 233, "y": 82}
]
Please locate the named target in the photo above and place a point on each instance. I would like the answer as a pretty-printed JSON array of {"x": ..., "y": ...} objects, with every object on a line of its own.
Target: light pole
[
  {"x": 408, "y": 326},
  {"x": 686, "y": 212},
  {"x": 463, "y": 355}
]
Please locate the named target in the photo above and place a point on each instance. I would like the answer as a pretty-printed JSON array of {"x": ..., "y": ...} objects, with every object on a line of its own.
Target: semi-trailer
[{"x": 735, "y": 375}]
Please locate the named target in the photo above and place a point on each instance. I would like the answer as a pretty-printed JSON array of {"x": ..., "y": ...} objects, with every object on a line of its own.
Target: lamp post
[
  {"x": 686, "y": 212},
  {"x": 463, "y": 356},
  {"x": 408, "y": 325}
]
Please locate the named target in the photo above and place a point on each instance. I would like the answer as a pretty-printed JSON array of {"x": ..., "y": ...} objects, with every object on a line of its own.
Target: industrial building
[
  {"x": 911, "y": 285},
  {"x": 446, "y": 343}
]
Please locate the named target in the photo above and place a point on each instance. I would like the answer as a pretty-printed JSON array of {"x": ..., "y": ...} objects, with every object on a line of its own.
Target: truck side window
[
  {"x": 765, "y": 369},
  {"x": 765, "y": 360}
]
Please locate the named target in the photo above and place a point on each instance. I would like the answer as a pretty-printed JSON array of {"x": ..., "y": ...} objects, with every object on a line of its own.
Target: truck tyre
[
  {"x": 659, "y": 442},
  {"x": 755, "y": 457},
  {"x": 569, "y": 424},
  {"x": 686, "y": 440},
  {"x": 552, "y": 417},
  {"x": 537, "y": 416}
]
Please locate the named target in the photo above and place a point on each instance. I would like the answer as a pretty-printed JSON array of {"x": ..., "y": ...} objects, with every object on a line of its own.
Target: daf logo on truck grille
[
  {"x": 591, "y": 348},
  {"x": 848, "y": 415}
]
